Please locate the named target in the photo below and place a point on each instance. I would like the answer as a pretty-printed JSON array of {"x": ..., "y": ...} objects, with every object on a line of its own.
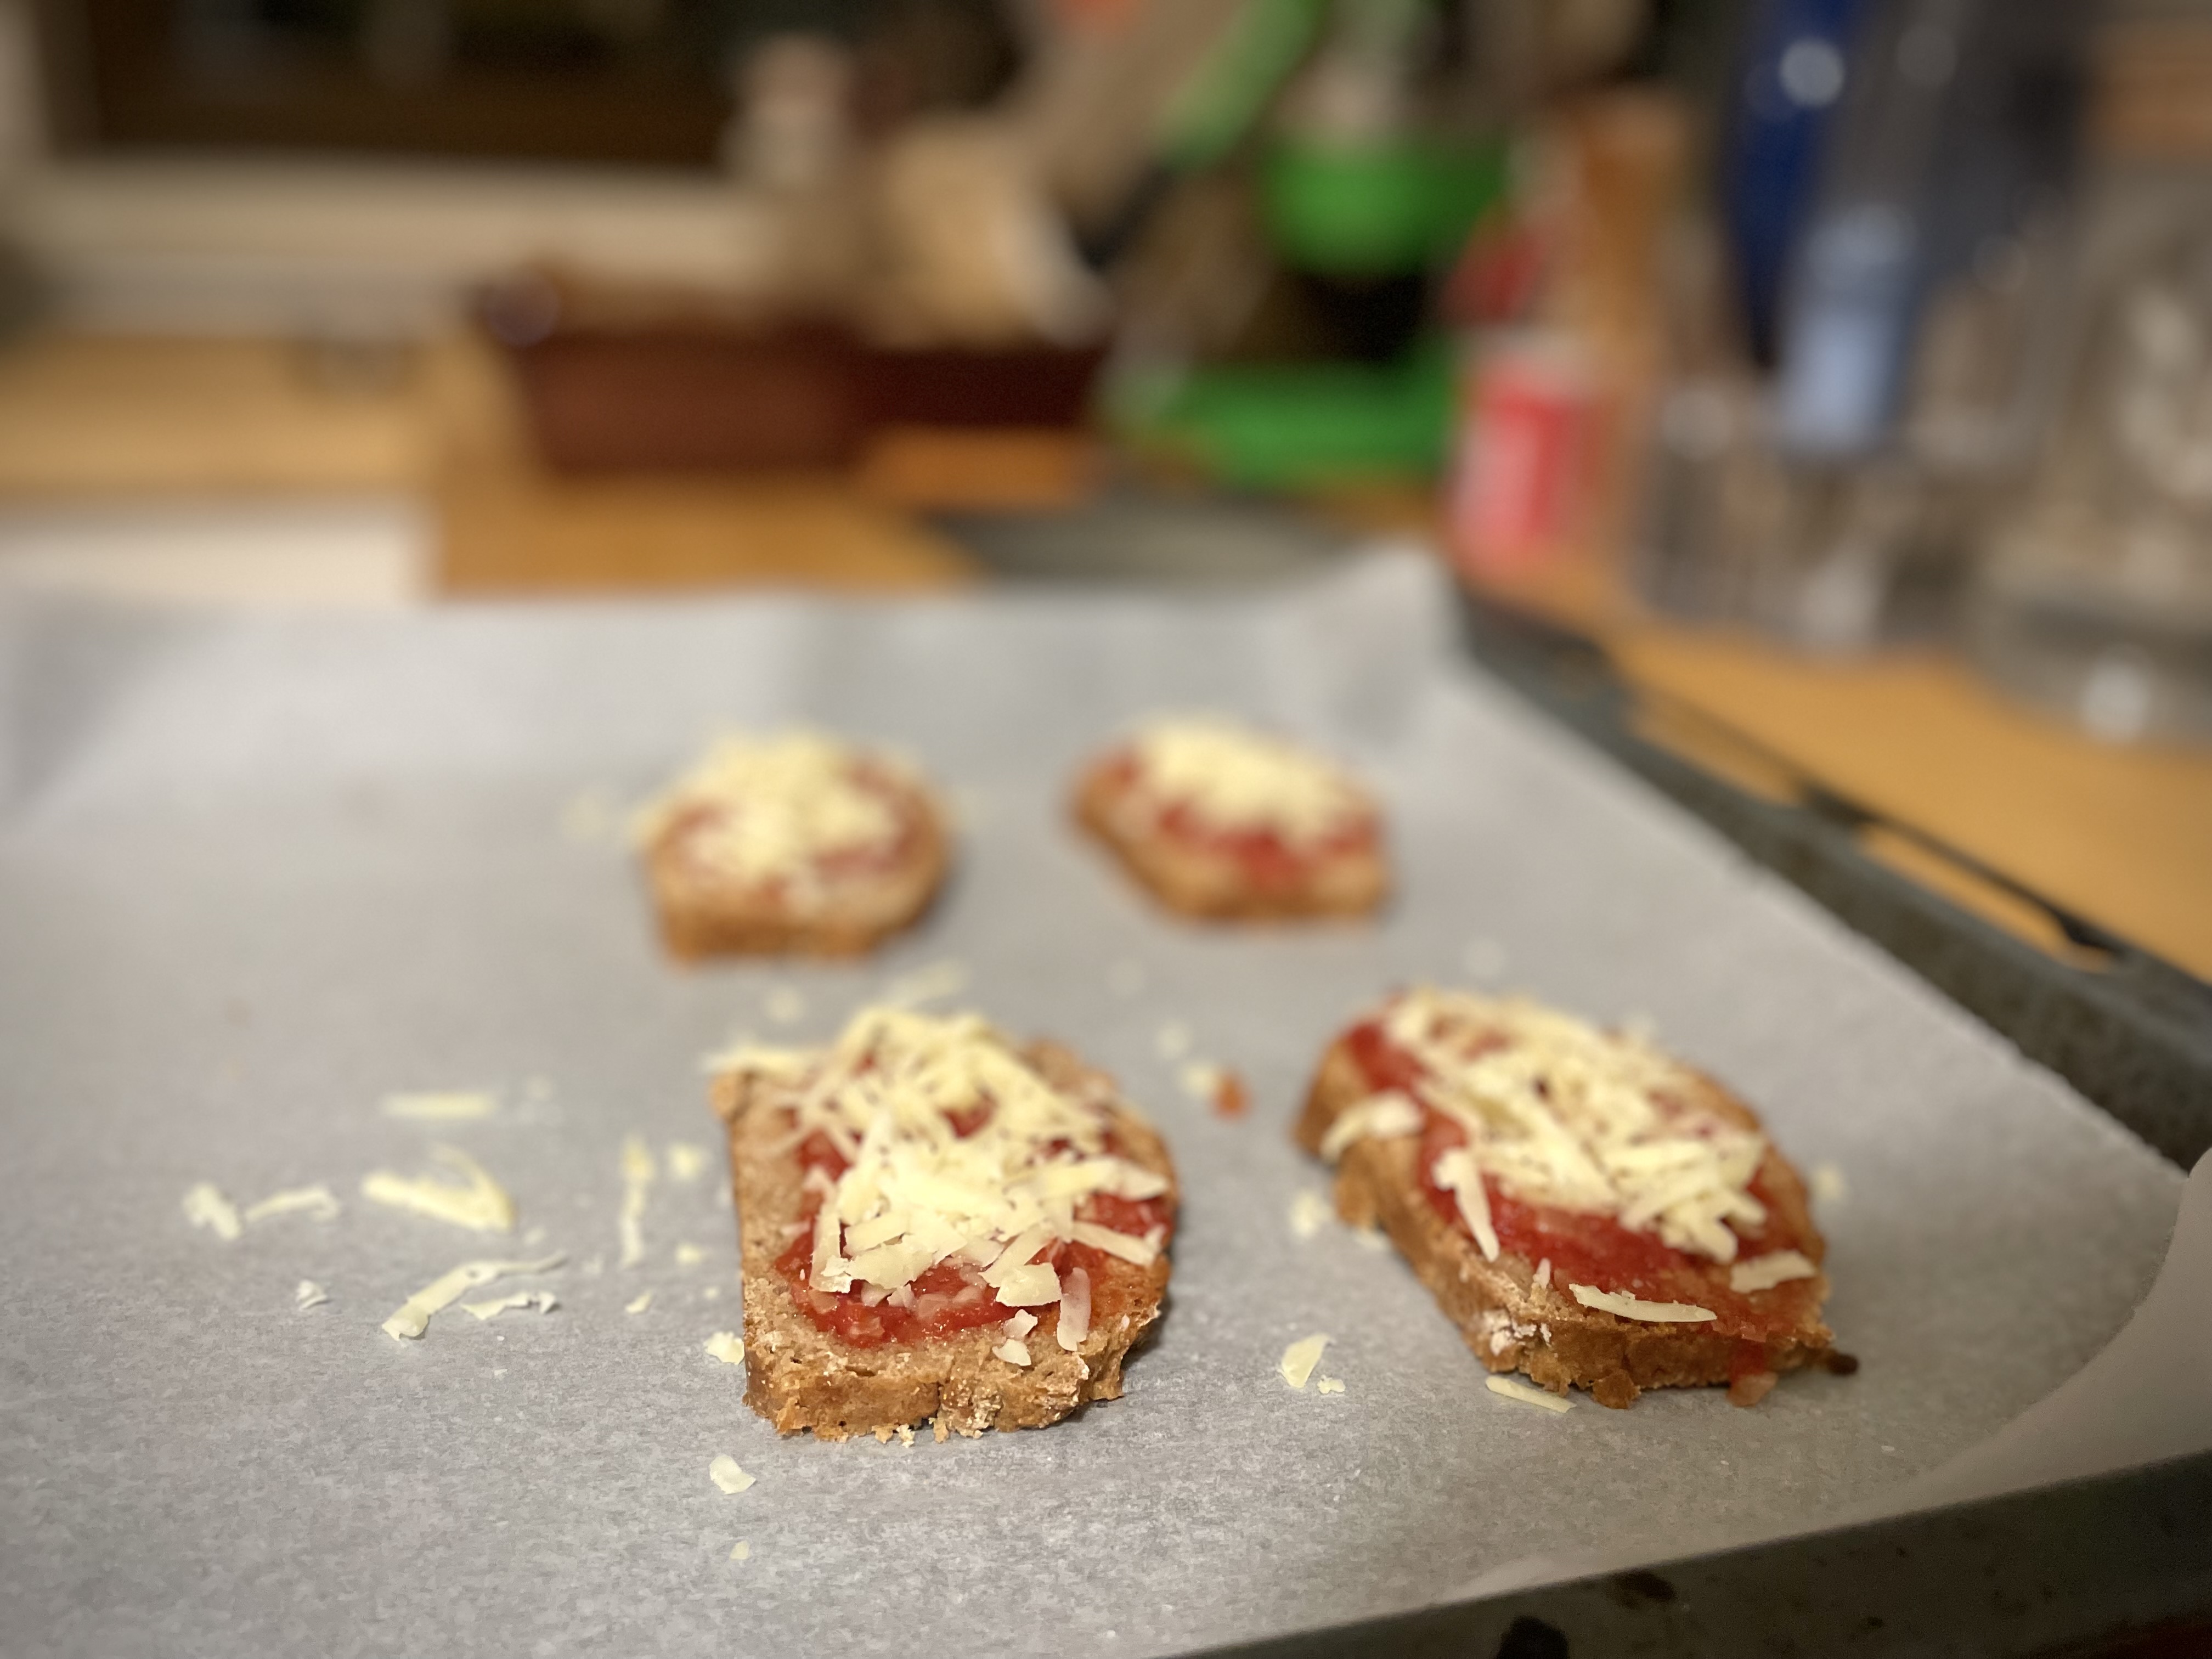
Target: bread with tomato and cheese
[
  {"x": 795, "y": 844},
  {"x": 1220, "y": 821},
  {"x": 1586, "y": 1209},
  {"x": 939, "y": 1226}
]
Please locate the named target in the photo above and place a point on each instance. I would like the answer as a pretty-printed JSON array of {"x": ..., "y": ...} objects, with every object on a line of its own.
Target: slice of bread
[
  {"x": 1196, "y": 856},
  {"x": 1517, "y": 1310},
  {"x": 803, "y": 1376},
  {"x": 798, "y": 892}
]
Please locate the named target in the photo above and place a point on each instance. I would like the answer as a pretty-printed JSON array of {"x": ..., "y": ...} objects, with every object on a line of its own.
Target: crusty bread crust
[
  {"x": 1214, "y": 886},
  {"x": 1510, "y": 1321},
  {"x": 799, "y": 1377},
  {"x": 704, "y": 915}
]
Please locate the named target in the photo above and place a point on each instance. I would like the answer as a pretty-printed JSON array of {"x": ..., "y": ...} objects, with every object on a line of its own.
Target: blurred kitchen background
[{"x": 1844, "y": 367}]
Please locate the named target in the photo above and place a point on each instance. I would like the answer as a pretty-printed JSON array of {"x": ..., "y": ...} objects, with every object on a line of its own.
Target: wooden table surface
[{"x": 2121, "y": 836}]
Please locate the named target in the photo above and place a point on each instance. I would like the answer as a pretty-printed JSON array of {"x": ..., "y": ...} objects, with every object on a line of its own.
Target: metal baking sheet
[{"x": 257, "y": 874}]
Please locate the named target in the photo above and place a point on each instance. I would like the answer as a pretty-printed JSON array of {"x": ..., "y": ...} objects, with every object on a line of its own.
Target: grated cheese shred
[
  {"x": 917, "y": 1191},
  {"x": 1559, "y": 1112},
  {"x": 1234, "y": 777},
  {"x": 772, "y": 808}
]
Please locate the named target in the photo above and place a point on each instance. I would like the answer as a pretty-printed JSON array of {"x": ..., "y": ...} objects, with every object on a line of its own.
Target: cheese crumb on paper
[
  {"x": 442, "y": 1106},
  {"x": 206, "y": 1206},
  {"x": 1299, "y": 1359},
  {"x": 1764, "y": 1273},
  {"x": 711, "y": 1293},
  {"x": 1528, "y": 1394},
  {"x": 1328, "y": 1385},
  {"x": 1310, "y": 1212},
  {"x": 906, "y": 1435},
  {"x": 318, "y": 1200},
  {"x": 1622, "y": 1305},
  {"x": 542, "y": 1301},
  {"x": 413, "y": 1316},
  {"x": 638, "y": 1171},
  {"x": 725, "y": 1473},
  {"x": 1830, "y": 1189},
  {"x": 638, "y": 1303},
  {"x": 726, "y": 1346},
  {"x": 477, "y": 1201},
  {"x": 685, "y": 1161},
  {"x": 308, "y": 1294},
  {"x": 741, "y": 1551},
  {"x": 1173, "y": 1041},
  {"x": 690, "y": 1256}
]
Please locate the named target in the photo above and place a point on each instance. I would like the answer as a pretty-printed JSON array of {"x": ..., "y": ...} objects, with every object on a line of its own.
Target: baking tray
[{"x": 258, "y": 873}]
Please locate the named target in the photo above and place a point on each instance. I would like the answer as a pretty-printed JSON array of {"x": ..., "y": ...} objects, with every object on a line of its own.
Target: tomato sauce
[
  {"x": 951, "y": 1296},
  {"x": 1268, "y": 860},
  {"x": 1587, "y": 1249}
]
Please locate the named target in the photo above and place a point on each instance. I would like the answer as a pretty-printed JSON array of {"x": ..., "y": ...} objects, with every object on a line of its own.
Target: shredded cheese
[
  {"x": 638, "y": 1172},
  {"x": 1559, "y": 1112},
  {"x": 1764, "y": 1273},
  {"x": 1528, "y": 1394},
  {"x": 1234, "y": 777},
  {"x": 413, "y": 1316},
  {"x": 1013, "y": 1351},
  {"x": 1624, "y": 1306},
  {"x": 491, "y": 1308},
  {"x": 1385, "y": 1116},
  {"x": 1329, "y": 1385},
  {"x": 726, "y": 1346},
  {"x": 724, "y": 1473},
  {"x": 476, "y": 1202},
  {"x": 309, "y": 1294},
  {"x": 916, "y": 1190},
  {"x": 685, "y": 1161},
  {"x": 206, "y": 1206},
  {"x": 443, "y": 1106},
  {"x": 741, "y": 1551},
  {"x": 638, "y": 1303},
  {"x": 318, "y": 1200},
  {"x": 1311, "y": 1211},
  {"x": 1299, "y": 1359},
  {"x": 767, "y": 811},
  {"x": 690, "y": 1256}
]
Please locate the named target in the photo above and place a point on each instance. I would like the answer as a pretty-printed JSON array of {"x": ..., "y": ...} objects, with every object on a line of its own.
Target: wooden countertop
[{"x": 2122, "y": 836}]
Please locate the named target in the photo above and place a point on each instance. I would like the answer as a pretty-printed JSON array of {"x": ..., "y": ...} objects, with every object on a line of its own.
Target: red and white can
[{"x": 1521, "y": 459}]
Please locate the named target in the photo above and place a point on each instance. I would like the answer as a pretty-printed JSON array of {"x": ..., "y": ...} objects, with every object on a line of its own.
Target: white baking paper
[{"x": 259, "y": 874}]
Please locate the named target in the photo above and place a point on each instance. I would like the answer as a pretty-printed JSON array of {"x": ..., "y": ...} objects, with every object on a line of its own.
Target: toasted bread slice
[
  {"x": 813, "y": 1361},
  {"x": 795, "y": 846},
  {"x": 1220, "y": 823},
  {"x": 1518, "y": 1307}
]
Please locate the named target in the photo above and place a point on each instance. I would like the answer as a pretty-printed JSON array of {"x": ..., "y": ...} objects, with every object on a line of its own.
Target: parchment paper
[{"x": 257, "y": 874}]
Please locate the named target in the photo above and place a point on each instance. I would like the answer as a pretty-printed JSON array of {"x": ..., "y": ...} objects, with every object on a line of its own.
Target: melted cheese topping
[
  {"x": 775, "y": 806},
  {"x": 917, "y": 1191},
  {"x": 1233, "y": 778},
  {"x": 1562, "y": 1113}
]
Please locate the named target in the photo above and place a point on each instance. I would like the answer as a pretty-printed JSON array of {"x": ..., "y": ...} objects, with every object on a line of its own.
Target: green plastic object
[
  {"x": 1401, "y": 205},
  {"x": 1275, "y": 426},
  {"x": 1233, "y": 87}
]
